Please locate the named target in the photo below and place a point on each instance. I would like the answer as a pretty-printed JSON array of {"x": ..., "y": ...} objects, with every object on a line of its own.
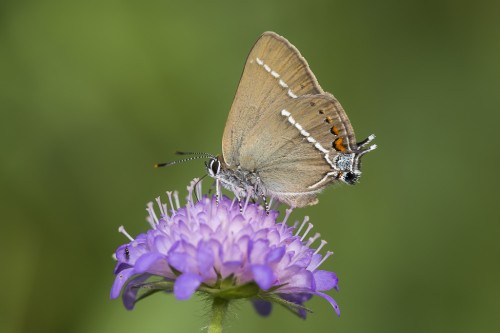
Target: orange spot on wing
[
  {"x": 334, "y": 130},
  {"x": 329, "y": 120},
  {"x": 338, "y": 145}
]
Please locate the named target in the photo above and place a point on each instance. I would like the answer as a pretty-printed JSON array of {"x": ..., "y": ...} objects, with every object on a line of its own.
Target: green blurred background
[{"x": 93, "y": 93}]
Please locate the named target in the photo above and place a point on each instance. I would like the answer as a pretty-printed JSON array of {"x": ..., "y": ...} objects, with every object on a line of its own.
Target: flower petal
[
  {"x": 325, "y": 280},
  {"x": 130, "y": 293},
  {"x": 205, "y": 257},
  {"x": 153, "y": 262},
  {"x": 263, "y": 275},
  {"x": 263, "y": 308},
  {"x": 120, "y": 280},
  {"x": 301, "y": 280},
  {"x": 182, "y": 262},
  {"x": 258, "y": 251},
  {"x": 331, "y": 300},
  {"x": 185, "y": 285},
  {"x": 275, "y": 255}
]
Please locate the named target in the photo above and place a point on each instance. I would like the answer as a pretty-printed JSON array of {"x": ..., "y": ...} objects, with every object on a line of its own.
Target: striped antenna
[{"x": 197, "y": 156}]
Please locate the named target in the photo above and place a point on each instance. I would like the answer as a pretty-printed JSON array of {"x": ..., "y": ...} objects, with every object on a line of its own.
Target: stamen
[
  {"x": 190, "y": 189},
  {"x": 114, "y": 257},
  {"x": 152, "y": 213},
  {"x": 232, "y": 203},
  {"x": 160, "y": 205},
  {"x": 122, "y": 230},
  {"x": 151, "y": 218},
  {"x": 287, "y": 215},
  {"x": 176, "y": 198},
  {"x": 329, "y": 253},
  {"x": 323, "y": 243},
  {"x": 199, "y": 192},
  {"x": 306, "y": 219},
  {"x": 312, "y": 239},
  {"x": 169, "y": 194},
  {"x": 309, "y": 227},
  {"x": 165, "y": 216}
]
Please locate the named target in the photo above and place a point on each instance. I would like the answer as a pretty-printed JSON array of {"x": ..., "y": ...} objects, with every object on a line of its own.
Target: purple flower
[{"x": 224, "y": 252}]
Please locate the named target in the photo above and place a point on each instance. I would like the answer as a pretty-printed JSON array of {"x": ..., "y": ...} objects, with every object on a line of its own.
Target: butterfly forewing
[{"x": 274, "y": 72}]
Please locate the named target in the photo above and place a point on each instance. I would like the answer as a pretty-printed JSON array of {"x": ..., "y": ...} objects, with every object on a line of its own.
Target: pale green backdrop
[{"x": 92, "y": 93}]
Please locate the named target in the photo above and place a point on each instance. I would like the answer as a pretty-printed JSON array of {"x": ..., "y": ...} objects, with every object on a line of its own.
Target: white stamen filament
[
  {"x": 329, "y": 253},
  {"x": 176, "y": 198},
  {"x": 306, "y": 219},
  {"x": 169, "y": 194},
  {"x": 152, "y": 213},
  {"x": 287, "y": 215},
  {"x": 199, "y": 192},
  {"x": 122, "y": 230},
  {"x": 232, "y": 203},
  {"x": 323, "y": 243},
  {"x": 150, "y": 220},
  {"x": 165, "y": 210},
  {"x": 312, "y": 239},
  {"x": 158, "y": 202},
  {"x": 309, "y": 227}
]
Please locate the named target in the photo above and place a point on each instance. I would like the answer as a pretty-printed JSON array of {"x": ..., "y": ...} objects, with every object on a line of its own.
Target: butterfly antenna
[
  {"x": 194, "y": 153},
  {"x": 159, "y": 165}
]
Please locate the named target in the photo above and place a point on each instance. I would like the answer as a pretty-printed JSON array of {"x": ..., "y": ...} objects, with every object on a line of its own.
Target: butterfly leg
[
  {"x": 240, "y": 204},
  {"x": 217, "y": 192},
  {"x": 266, "y": 206}
]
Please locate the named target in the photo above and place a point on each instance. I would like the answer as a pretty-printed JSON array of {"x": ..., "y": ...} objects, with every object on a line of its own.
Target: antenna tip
[{"x": 158, "y": 165}]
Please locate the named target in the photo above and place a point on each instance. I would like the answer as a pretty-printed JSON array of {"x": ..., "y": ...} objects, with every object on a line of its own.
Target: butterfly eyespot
[
  {"x": 321, "y": 111},
  {"x": 312, "y": 104}
]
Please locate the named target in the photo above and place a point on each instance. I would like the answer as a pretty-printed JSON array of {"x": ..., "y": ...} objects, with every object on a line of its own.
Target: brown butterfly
[{"x": 285, "y": 137}]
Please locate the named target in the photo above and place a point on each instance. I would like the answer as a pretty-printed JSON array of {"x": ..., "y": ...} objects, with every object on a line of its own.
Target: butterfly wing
[
  {"x": 274, "y": 71},
  {"x": 283, "y": 126},
  {"x": 299, "y": 163}
]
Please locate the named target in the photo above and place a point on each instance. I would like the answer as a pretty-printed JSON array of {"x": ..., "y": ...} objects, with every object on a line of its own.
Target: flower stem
[{"x": 219, "y": 308}]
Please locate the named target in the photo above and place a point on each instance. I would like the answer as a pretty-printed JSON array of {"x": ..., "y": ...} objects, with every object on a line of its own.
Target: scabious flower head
[{"x": 224, "y": 251}]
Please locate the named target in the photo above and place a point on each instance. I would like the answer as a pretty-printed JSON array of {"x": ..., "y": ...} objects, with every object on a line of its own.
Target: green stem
[{"x": 219, "y": 308}]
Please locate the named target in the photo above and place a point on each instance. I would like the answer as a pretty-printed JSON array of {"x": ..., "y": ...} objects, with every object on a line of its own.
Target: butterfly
[{"x": 285, "y": 137}]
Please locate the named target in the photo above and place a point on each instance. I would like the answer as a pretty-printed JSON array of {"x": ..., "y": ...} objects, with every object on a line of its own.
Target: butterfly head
[{"x": 213, "y": 166}]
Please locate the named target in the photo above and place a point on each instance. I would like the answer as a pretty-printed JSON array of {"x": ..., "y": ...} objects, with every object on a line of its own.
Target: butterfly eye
[{"x": 214, "y": 167}]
